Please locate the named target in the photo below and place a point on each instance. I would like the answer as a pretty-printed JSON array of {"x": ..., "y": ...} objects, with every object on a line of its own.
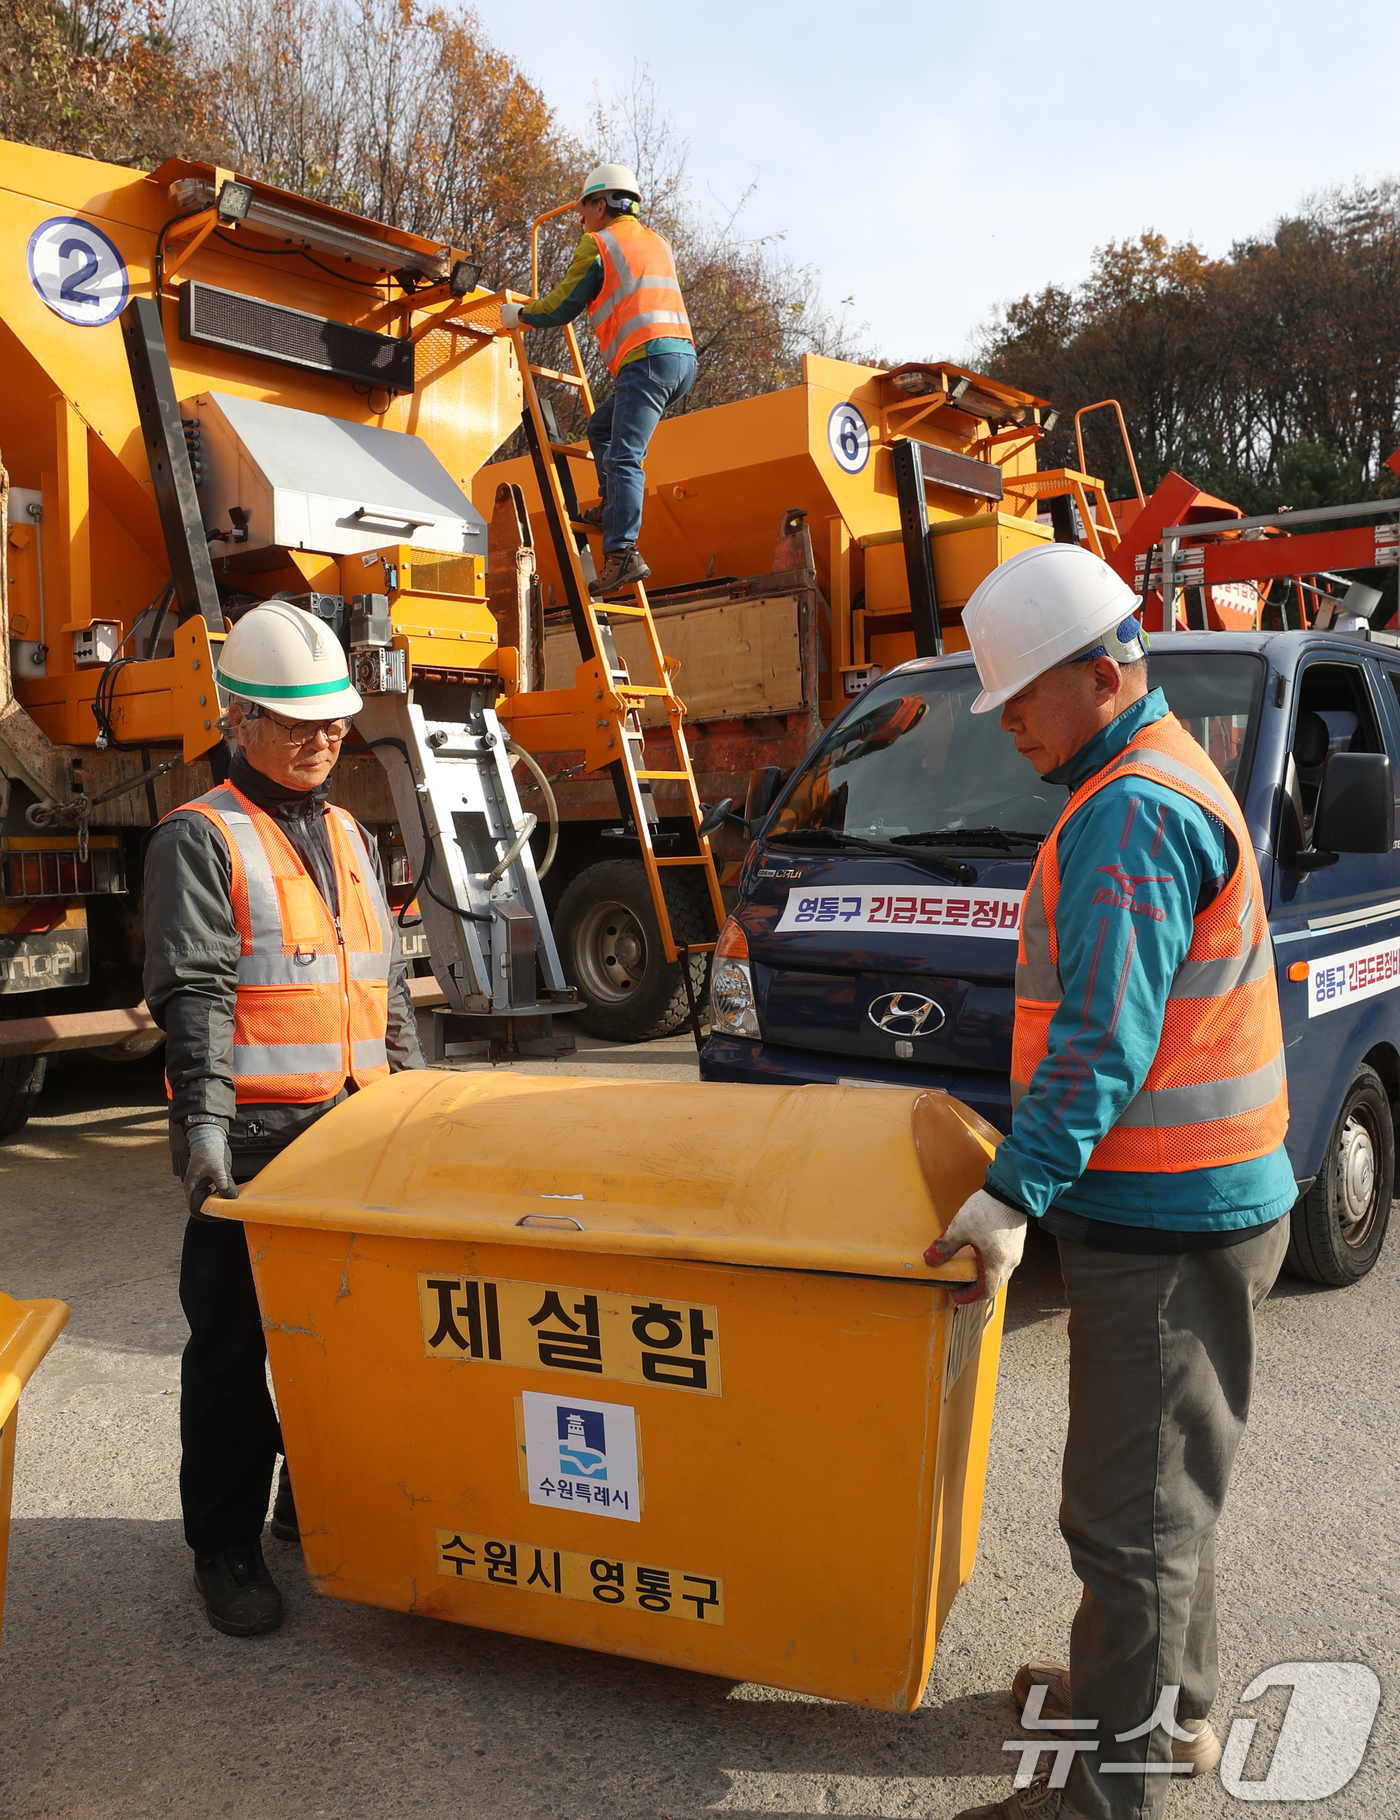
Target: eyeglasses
[{"x": 305, "y": 732}]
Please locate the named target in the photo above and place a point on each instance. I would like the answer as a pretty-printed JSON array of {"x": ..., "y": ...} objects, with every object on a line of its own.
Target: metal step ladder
[{"x": 621, "y": 701}]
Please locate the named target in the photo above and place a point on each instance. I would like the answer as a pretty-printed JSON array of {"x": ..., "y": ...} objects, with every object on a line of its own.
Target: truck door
[{"x": 1341, "y": 1011}]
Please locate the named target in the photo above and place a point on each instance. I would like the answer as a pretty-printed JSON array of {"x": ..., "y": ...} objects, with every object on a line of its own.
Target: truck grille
[
  {"x": 60, "y": 873},
  {"x": 293, "y": 338}
]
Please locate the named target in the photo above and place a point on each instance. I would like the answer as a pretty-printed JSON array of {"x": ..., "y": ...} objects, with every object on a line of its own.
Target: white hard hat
[
  {"x": 1042, "y": 607},
  {"x": 611, "y": 180},
  {"x": 286, "y": 659}
]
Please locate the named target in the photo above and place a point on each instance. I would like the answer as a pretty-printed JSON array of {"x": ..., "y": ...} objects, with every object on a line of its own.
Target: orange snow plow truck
[{"x": 217, "y": 393}]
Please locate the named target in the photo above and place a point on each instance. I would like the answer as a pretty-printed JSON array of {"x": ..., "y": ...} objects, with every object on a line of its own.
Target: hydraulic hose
[
  {"x": 512, "y": 853},
  {"x": 550, "y": 804}
]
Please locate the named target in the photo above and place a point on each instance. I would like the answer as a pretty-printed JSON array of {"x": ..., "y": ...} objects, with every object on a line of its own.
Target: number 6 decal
[
  {"x": 848, "y": 436},
  {"x": 78, "y": 272}
]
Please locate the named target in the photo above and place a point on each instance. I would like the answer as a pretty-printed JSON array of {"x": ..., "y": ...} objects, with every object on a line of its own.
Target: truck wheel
[
  {"x": 610, "y": 947},
  {"x": 1339, "y": 1224},
  {"x": 21, "y": 1083}
]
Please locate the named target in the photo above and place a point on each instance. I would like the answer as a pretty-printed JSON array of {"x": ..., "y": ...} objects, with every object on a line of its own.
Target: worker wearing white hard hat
[
  {"x": 1147, "y": 1140},
  {"x": 624, "y": 274},
  {"x": 275, "y": 969}
]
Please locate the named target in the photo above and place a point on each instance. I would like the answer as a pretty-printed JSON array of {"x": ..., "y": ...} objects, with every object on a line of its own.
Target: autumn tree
[
  {"x": 111, "y": 79},
  {"x": 1271, "y": 376}
]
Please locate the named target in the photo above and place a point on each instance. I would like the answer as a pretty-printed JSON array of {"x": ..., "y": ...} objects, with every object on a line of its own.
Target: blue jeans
[{"x": 619, "y": 431}]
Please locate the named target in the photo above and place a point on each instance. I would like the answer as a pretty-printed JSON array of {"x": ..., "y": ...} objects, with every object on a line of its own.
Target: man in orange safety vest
[
  {"x": 275, "y": 969},
  {"x": 624, "y": 274},
  {"x": 1147, "y": 1138}
]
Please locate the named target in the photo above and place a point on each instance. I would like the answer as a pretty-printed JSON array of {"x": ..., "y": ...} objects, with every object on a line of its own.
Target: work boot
[
  {"x": 1203, "y": 1750},
  {"x": 1053, "y": 1677},
  {"x": 1038, "y": 1802},
  {"x": 620, "y": 569},
  {"x": 593, "y": 516},
  {"x": 284, "y": 1511},
  {"x": 239, "y": 1593}
]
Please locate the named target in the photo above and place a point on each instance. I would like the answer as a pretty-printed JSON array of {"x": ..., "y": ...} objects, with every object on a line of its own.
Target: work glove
[
  {"x": 997, "y": 1235},
  {"x": 510, "y": 316},
  {"x": 210, "y": 1168}
]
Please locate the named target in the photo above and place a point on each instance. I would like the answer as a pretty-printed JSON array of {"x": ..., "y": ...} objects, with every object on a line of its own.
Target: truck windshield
[{"x": 914, "y": 766}]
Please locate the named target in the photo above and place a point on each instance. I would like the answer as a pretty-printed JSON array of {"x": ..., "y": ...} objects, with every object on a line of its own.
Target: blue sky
[{"x": 931, "y": 161}]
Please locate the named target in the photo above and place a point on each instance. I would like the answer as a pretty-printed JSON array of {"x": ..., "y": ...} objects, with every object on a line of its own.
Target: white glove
[
  {"x": 510, "y": 316},
  {"x": 210, "y": 1168},
  {"x": 997, "y": 1235}
]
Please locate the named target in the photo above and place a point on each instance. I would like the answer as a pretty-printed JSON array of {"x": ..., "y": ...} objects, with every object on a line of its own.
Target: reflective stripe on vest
[
  {"x": 1216, "y": 1092},
  {"x": 313, "y": 1006},
  {"x": 641, "y": 296}
]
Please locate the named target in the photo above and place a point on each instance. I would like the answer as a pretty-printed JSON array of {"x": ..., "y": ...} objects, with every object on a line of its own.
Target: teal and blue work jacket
[
  {"x": 577, "y": 289},
  {"x": 1117, "y": 970}
]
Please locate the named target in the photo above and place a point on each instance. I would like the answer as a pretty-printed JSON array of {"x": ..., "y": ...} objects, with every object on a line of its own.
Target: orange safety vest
[
  {"x": 313, "y": 992},
  {"x": 1216, "y": 1091},
  {"x": 641, "y": 296}
]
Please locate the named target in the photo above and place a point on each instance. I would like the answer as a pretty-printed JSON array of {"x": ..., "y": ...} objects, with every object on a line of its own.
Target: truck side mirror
[
  {"x": 764, "y": 785},
  {"x": 715, "y": 815},
  {"x": 1355, "y": 810}
]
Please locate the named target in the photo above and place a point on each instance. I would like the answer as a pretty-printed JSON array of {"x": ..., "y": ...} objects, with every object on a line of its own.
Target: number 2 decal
[
  {"x": 78, "y": 272},
  {"x": 70, "y": 291}
]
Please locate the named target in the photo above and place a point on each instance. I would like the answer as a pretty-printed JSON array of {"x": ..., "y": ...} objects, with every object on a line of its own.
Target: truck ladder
[{"x": 621, "y": 704}]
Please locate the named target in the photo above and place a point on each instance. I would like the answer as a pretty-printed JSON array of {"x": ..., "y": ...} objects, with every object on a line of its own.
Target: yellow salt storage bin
[
  {"x": 27, "y": 1330},
  {"x": 654, "y": 1369}
]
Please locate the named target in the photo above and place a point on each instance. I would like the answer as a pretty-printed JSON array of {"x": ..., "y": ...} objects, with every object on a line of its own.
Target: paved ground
[{"x": 116, "y": 1699}]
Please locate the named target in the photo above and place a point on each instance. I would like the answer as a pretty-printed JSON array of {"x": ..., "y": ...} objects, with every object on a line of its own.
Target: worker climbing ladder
[{"x": 619, "y": 701}]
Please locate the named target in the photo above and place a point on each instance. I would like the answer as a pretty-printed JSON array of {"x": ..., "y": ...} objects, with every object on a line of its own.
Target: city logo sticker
[
  {"x": 583, "y": 1443},
  {"x": 580, "y": 1455}
]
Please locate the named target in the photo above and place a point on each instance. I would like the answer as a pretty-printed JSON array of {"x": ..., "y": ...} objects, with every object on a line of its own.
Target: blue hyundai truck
[{"x": 877, "y": 927}]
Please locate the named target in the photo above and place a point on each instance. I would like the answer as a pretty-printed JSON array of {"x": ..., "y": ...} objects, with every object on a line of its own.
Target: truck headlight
[{"x": 733, "y": 1010}]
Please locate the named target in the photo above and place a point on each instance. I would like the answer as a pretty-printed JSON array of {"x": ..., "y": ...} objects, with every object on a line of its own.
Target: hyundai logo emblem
[{"x": 907, "y": 1014}]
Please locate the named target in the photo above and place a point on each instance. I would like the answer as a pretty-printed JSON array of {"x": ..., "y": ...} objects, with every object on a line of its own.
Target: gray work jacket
[{"x": 191, "y": 975}]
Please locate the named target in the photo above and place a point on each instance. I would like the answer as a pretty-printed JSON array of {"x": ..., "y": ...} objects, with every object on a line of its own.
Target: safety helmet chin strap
[{"x": 1126, "y": 644}]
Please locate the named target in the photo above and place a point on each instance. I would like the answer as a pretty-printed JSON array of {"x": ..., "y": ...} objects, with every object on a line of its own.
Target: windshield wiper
[
  {"x": 956, "y": 870},
  {"x": 981, "y": 837}
]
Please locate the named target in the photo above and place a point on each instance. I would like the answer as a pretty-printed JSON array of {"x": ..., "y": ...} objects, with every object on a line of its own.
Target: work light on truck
[
  {"x": 234, "y": 200},
  {"x": 733, "y": 1011}
]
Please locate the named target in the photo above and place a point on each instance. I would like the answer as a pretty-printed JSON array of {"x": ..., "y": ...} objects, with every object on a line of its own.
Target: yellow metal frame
[
  {"x": 1108, "y": 404},
  {"x": 27, "y": 1331},
  {"x": 1100, "y": 526}
]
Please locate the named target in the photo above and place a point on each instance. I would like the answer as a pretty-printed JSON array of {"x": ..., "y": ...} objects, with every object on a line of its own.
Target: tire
[
  {"x": 610, "y": 946},
  {"x": 1338, "y": 1226},
  {"x": 21, "y": 1083}
]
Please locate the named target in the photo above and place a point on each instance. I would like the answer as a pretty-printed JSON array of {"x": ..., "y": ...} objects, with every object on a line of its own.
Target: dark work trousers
[
  {"x": 1161, "y": 1367},
  {"x": 229, "y": 1437}
]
